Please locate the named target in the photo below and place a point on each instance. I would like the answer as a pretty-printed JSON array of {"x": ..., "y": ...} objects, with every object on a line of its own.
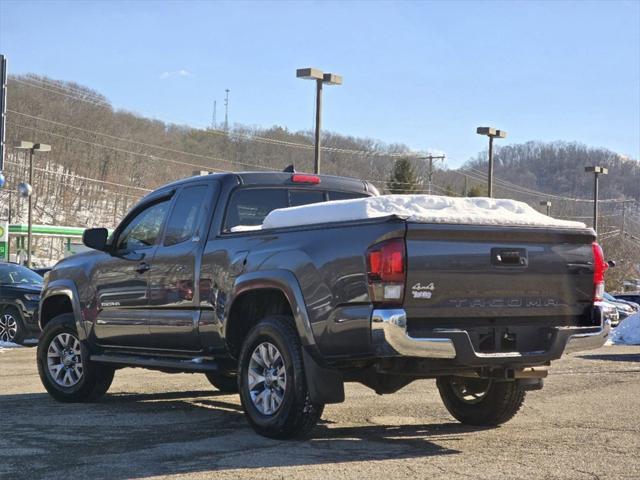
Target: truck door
[
  {"x": 121, "y": 279},
  {"x": 174, "y": 301}
]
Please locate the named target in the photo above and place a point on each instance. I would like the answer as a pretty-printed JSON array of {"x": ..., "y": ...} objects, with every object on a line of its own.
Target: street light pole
[
  {"x": 27, "y": 190},
  {"x": 316, "y": 152},
  {"x": 320, "y": 78},
  {"x": 597, "y": 171},
  {"x": 491, "y": 133}
]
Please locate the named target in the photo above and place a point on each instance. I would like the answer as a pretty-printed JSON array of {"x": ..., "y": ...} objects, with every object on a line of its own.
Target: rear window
[
  {"x": 248, "y": 207},
  {"x": 346, "y": 195},
  {"x": 305, "y": 197}
]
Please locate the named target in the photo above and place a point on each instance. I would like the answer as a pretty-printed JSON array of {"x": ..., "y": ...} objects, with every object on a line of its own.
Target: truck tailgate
[{"x": 497, "y": 274}]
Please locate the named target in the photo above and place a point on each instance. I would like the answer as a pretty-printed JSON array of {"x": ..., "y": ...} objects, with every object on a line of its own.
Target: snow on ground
[
  {"x": 418, "y": 208},
  {"x": 6, "y": 345},
  {"x": 627, "y": 332}
]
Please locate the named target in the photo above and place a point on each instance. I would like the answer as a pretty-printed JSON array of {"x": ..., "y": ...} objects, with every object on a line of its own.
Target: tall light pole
[
  {"x": 597, "y": 171},
  {"x": 3, "y": 114},
  {"x": 320, "y": 78},
  {"x": 26, "y": 189},
  {"x": 547, "y": 204},
  {"x": 491, "y": 133}
]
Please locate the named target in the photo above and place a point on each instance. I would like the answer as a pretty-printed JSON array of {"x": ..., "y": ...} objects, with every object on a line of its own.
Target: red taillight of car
[
  {"x": 599, "y": 269},
  {"x": 305, "y": 178},
  {"x": 386, "y": 271}
]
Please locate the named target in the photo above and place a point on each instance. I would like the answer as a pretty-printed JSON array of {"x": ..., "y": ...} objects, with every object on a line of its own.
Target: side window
[
  {"x": 346, "y": 195},
  {"x": 305, "y": 197},
  {"x": 248, "y": 207},
  {"x": 185, "y": 215},
  {"x": 143, "y": 230}
]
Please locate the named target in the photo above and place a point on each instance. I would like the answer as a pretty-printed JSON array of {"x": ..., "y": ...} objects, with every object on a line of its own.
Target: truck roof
[{"x": 327, "y": 182}]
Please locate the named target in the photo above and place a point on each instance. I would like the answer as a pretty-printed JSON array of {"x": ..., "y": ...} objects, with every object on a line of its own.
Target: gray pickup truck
[{"x": 286, "y": 316}]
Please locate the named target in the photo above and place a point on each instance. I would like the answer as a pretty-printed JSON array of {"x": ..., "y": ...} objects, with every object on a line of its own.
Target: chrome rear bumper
[{"x": 390, "y": 339}]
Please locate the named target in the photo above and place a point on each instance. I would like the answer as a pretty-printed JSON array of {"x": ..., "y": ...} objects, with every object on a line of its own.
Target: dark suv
[{"x": 20, "y": 290}]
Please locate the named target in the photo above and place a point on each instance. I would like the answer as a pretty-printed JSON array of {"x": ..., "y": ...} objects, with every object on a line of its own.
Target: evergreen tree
[{"x": 403, "y": 177}]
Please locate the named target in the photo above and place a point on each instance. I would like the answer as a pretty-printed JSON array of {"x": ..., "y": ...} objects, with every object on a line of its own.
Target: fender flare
[
  {"x": 325, "y": 385},
  {"x": 286, "y": 282},
  {"x": 68, "y": 289}
]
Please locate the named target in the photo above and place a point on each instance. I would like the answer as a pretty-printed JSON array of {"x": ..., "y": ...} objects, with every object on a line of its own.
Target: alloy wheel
[
  {"x": 64, "y": 360},
  {"x": 267, "y": 378},
  {"x": 8, "y": 327}
]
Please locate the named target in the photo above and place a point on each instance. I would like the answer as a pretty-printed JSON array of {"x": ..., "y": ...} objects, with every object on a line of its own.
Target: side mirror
[{"x": 95, "y": 238}]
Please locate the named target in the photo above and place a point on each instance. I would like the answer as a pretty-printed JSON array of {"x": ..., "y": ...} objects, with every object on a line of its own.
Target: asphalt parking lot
[{"x": 585, "y": 424}]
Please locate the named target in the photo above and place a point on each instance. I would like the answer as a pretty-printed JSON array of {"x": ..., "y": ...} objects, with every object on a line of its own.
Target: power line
[
  {"x": 135, "y": 142},
  {"x": 80, "y": 177},
  {"x": 88, "y": 94},
  {"x": 152, "y": 157},
  {"x": 97, "y": 104}
]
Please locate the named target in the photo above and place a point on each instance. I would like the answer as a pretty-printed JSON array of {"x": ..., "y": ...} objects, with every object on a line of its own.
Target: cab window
[{"x": 143, "y": 230}]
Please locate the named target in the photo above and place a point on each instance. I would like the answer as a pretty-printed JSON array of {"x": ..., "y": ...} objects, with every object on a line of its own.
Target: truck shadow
[
  {"x": 139, "y": 435},
  {"x": 614, "y": 357}
]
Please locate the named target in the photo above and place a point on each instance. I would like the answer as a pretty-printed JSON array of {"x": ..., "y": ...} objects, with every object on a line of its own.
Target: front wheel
[
  {"x": 64, "y": 365},
  {"x": 481, "y": 402},
  {"x": 273, "y": 386}
]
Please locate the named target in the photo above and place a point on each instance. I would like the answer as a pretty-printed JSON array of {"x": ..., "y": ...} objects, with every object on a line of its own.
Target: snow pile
[
  {"x": 418, "y": 208},
  {"x": 628, "y": 332}
]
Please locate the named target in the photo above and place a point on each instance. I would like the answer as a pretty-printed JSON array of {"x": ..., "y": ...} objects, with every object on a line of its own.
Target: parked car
[
  {"x": 41, "y": 271},
  {"x": 20, "y": 290},
  {"x": 610, "y": 313},
  {"x": 629, "y": 297},
  {"x": 625, "y": 308},
  {"x": 192, "y": 280}
]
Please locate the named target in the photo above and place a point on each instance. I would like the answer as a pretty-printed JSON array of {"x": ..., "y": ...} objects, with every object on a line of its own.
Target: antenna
[
  {"x": 213, "y": 119},
  {"x": 226, "y": 110}
]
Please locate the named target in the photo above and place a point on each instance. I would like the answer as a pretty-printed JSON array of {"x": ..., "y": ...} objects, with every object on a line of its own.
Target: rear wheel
[
  {"x": 224, "y": 383},
  {"x": 11, "y": 326},
  {"x": 481, "y": 402},
  {"x": 64, "y": 365},
  {"x": 273, "y": 386}
]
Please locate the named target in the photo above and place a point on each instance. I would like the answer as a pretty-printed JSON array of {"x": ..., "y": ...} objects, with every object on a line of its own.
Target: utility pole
[
  {"x": 213, "y": 119},
  {"x": 596, "y": 170},
  {"x": 431, "y": 158},
  {"x": 226, "y": 110},
  {"x": 547, "y": 204},
  {"x": 466, "y": 185},
  {"x": 624, "y": 211}
]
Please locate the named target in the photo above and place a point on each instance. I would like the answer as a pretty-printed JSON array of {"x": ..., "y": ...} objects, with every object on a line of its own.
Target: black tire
[
  {"x": 496, "y": 404},
  {"x": 224, "y": 383},
  {"x": 96, "y": 378},
  {"x": 9, "y": 317},
  {"x": 296, "y": 415}
]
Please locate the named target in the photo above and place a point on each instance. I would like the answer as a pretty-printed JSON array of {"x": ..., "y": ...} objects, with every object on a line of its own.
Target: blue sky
[{"x": 421, "y": 73}]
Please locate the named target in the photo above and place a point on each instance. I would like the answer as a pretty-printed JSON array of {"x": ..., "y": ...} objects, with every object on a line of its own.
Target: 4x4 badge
[{"x": 422, "y": 291}]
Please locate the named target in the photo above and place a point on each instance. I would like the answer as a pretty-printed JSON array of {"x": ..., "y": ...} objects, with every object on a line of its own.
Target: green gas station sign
[{"x": 4, "y": 239}]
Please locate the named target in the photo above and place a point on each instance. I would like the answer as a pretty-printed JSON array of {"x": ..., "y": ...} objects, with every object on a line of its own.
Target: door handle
[{"x": 142, "y": 267}]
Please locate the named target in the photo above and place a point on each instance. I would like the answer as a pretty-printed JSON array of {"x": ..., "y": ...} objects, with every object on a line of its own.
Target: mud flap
[{"x": 325, "y": 385}]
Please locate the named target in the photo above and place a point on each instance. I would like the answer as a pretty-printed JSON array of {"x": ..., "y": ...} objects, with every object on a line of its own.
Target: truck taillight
[
  {"x": 599, "y": 268},
  {"x": 386, "y": 271}
]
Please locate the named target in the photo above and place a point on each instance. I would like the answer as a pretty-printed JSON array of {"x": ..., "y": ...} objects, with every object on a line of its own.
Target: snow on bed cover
[
  {"x": 417, "y": 208},
  {"x": 627, "y": 332}
]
